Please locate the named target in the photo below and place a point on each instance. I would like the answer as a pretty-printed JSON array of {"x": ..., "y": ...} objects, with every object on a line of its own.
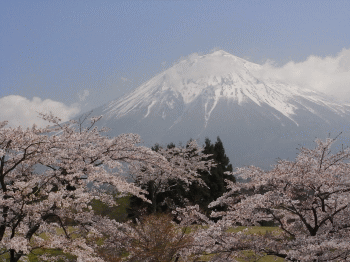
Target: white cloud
[
  {"x": 124, "y": 79},
  {"x": 19, "y": 110},
  {"x": 330, "y": 75},
  {"x": 82, "y": 97}
]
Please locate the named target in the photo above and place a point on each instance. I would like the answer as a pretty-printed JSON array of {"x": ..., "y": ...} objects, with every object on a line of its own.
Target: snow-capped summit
[
  {"x": 215, "y": 76},
  {"x": 221, "y": 94}
]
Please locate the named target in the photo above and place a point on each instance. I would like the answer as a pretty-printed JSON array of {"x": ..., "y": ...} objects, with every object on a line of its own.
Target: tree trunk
[
  {"x": 14, "y": 257},
  {"x": 153, "y": 197}
]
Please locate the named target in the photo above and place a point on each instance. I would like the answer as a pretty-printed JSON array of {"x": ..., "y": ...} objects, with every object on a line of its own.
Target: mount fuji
[{"x": 258, "y": 118}]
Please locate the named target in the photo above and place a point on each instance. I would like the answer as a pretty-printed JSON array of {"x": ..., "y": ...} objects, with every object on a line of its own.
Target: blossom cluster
[{"x": 49, "y": 176}]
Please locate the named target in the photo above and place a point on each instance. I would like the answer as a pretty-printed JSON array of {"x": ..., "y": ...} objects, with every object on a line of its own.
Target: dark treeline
[{"x": 177, "y": 196}]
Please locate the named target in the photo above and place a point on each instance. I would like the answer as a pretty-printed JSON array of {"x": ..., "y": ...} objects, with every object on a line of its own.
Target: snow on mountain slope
[
  {"x": 214, "y": 76},
  {"x": 258, "y": 118}
]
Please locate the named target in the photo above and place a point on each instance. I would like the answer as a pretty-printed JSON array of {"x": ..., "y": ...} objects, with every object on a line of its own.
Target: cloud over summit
[{"x": 330, "y": 74}]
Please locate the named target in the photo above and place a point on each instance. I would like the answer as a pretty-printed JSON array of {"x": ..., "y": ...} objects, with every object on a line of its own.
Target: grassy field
[
  {"x": 247, "y": 256},
  {"x": 250, "y": 256},
  {"x": 119, "y": 213},
  {"x": 257, "y": 230}
]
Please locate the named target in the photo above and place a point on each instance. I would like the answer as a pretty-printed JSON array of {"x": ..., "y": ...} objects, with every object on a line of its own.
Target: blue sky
[{"x": 82, "y": 54}]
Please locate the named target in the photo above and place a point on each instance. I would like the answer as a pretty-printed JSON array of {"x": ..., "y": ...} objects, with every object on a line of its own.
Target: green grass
[
  {"x": 116, "y": 212},
  {"x": 35, "y": 255},
  {"x": 257, "y": 230},
  {"x": 246, "y": 256},
  {"x": 250, "y": 256}
]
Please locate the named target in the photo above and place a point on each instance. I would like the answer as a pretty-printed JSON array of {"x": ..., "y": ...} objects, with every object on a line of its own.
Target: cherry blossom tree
[
  {"x": 188, "y": 160},
  {"x": 49, "y": 176},
  {"x": 154, "y": 238},
  {"x": 309, "y": 199}
]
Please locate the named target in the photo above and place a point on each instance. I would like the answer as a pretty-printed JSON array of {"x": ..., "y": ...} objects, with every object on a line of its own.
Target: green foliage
[
  {"x": 119, "y": 212},
  {"x": 178, "y": 196},
  {"x": 166, "y": 200},
  {"x": 215, "y": 179}
]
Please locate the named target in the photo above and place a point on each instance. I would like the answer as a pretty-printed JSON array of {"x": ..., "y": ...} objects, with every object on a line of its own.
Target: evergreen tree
[
  {"x": 197, "y": 194},
  {"x": 215, "y": 178},
  {"x": 169, "y": 190}
]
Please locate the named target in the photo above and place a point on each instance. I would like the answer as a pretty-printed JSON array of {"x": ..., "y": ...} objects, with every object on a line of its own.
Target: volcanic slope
[{"x": 258, "y": 118}]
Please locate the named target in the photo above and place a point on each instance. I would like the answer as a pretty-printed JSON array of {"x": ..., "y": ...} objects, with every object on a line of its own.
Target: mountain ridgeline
[{"x": 258, "y": 118}]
